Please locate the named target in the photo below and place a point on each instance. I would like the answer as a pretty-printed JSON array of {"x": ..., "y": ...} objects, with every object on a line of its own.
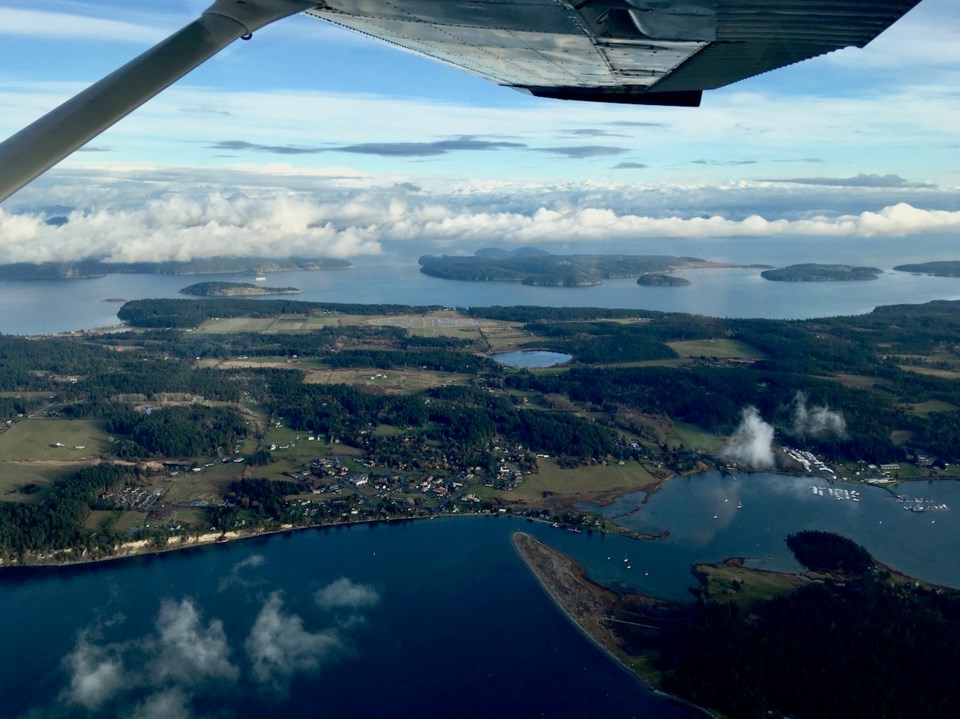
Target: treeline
[
  {"x": 55, "y": 521},
  {"x": 192, "y": 431}
]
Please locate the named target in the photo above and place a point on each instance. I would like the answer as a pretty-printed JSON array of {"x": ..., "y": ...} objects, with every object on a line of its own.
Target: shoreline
[{"x": 565, "y": 583}]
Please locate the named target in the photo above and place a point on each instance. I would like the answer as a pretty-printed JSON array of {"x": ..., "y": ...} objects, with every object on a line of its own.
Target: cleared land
[
  {"x": 37, "y": 440},
  {"x": 582, "y": 480},
  {"x": 716, "y": 348},
  {"x": 730, "y": 581}
]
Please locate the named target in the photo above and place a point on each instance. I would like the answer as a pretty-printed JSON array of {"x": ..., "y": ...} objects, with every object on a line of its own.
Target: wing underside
[{"x": 634, "y": 51}]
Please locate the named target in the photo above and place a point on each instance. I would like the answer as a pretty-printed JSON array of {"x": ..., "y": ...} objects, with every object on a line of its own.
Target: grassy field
[
  {"x": 931, "y": 371},
  {"x": 35, "y": 440},
  {"x": 600, "y": 478},
  {"x": 394, "y": 381},
  {"x": 14, "y": 475},
  {"x": 717, "y": 348},
  {"x": 730, "y": 582},
  {"x": 693, "y": 437},
  {"x": 924, "y": 409}
]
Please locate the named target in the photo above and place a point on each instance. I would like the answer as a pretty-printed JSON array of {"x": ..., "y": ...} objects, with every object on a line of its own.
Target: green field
[
  {"x": 14, "y": 475},
  {"x": 731, "y": 582},
  {"x": 36, "y": 440},
  {"x": 925, "y": 409},
  {"x": 716, "y": 348},
  {"x": 599, "y": 478}
]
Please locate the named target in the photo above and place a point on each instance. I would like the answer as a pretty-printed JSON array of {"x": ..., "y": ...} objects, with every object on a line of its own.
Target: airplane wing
[
  {"x": 654, "y": 52},
  {"x": 651, "y": 52}
]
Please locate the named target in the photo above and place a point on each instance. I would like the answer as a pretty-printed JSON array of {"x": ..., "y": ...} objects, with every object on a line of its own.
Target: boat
[{"x": 260, "y": 278}]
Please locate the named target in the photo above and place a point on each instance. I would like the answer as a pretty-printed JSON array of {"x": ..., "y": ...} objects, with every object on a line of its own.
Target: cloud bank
[
  {"x": 172, "y": 214},
  {"x": 819, "y": 422}
]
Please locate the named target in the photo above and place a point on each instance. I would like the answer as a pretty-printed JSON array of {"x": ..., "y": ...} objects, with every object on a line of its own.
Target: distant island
[
  {"x": 812, "y": 272},
  {"x": 947, "y": 268},
  {"x": 235, "y": 289},
  {"x": 91, "y": 268},
  {"x": 535, "y": 267},
  {"x": 657, "y": 279}
]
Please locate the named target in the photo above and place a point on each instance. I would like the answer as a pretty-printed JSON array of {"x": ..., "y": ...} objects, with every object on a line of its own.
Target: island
[
  {"x": 235, "y": 289},
  {"x": 657, "y": 279},
  {"x": 846, "y": 637},
  {"x": 812, "y": 272},
  {"x": 945, "y": 268},
  {"x": 539, "y": 268},
  {"x": 92, "y": 268}
]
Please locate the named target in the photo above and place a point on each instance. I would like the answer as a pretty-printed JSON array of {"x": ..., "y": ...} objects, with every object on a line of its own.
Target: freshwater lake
[{"x": 435, "y": 618}]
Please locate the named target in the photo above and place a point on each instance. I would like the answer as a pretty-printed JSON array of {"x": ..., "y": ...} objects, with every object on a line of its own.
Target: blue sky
[{"x": 327, "y": 139}]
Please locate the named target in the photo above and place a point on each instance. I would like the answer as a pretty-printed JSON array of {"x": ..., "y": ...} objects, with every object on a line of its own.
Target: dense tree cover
[
  {"x": 864, "y": 647},
  {"x": 193, "y": 431},
  {"x": 55, "y": 521},
  {"x": 828, "y": 552}
]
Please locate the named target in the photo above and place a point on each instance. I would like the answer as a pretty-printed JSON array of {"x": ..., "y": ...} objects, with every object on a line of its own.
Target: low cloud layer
[
  {"x": 170, "y": 215},
  {"x": 344, "y": 594},
  {"x": 751, "y": 444}
]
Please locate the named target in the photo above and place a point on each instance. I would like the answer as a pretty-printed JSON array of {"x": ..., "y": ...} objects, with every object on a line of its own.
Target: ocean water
[
  {"x": 38, "y": 307},
  {"x": 433, "y": 618}
]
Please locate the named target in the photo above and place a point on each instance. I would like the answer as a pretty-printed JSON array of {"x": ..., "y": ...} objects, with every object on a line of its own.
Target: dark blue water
[{"x": 435, "y": 618}]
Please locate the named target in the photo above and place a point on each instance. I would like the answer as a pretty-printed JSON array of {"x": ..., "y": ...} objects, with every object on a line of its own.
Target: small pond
[{"x": 530, "y": 358}]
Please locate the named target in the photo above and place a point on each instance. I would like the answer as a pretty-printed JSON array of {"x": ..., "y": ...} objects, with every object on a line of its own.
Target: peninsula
[
  {"x": 235, "y": 289},
  {"x": 882, "y": 632},
  {"x": 812, "y": 272}
]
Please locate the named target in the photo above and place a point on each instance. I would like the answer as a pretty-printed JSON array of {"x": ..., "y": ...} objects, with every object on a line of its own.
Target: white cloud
[
  {"x": 96, "y": 674},
  {"x": 167, "y": 704},
  {"x": 752, "y": 442},
  {"x": 344, "y": 594},
  {"x": 46, "y": 24},
  {"x": 235, "y": 578},
  {"x": 190, "y": 653},
  {"x": 279, "y": 645}
]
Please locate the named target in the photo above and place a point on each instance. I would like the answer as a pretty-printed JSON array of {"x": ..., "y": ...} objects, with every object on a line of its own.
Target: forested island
[
  {"x": 235, "y": 289},
  {"x": 812, "y": 272},
  {"x": 945, "y": 268},
  {"x": 657, "y": 279},
  {"x": 539, "y": 268},
  {"x": 847, "y": 637},
  {"x": 211, "y": 417},
  {"x": 90, "y": 268}
]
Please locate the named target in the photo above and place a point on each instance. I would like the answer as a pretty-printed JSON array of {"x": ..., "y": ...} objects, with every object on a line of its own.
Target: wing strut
[{"x": 40, "y": 146}]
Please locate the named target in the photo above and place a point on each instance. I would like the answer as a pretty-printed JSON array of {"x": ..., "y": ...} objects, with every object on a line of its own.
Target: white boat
[{"x": 260, "y": 278}]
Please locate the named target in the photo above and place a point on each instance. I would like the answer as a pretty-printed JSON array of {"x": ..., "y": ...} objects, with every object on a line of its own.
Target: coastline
[{"x": 582, "y": 602}]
